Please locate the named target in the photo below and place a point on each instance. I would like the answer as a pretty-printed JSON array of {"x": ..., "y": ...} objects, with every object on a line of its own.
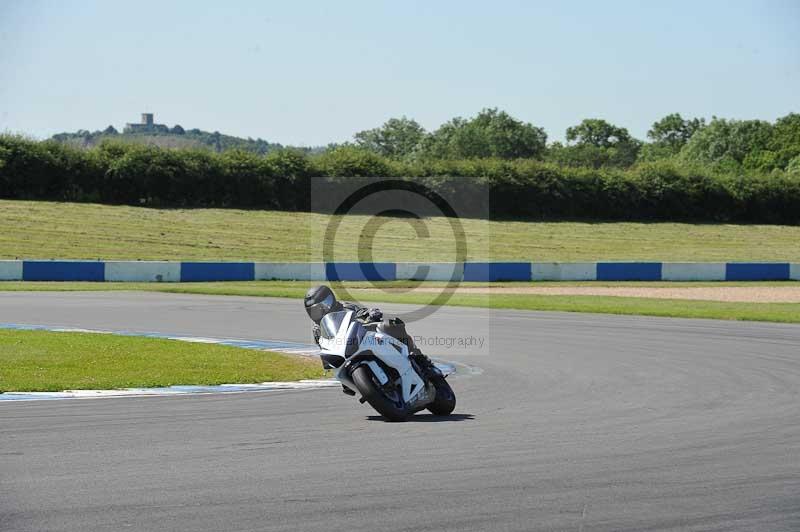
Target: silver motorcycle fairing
[
  {"x": 394, "y": 353},
  {"x": 372, "y": 345}
]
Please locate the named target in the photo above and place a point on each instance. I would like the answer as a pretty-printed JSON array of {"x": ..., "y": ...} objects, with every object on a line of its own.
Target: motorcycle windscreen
[
  {"x": 355, "y": 333},
  {"x": 331, "y": 323}
]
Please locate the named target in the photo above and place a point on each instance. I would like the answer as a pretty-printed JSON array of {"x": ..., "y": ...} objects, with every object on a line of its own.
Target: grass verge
[
  {"x": 55, "y": 361},
  {"x": 40, "y": 229},
  {"x": 774, "y": 312}
]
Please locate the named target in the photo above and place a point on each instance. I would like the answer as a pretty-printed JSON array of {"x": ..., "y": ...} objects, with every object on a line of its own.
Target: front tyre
[
  {"x": 445, "y": 401},
  {"x": 371, "y": 391}
]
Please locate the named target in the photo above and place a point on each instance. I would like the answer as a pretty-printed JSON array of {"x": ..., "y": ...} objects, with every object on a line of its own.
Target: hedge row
[{"x": 146, "y": 175}]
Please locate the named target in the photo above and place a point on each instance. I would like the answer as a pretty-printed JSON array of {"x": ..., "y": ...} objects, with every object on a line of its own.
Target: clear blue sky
[{"x": 309, "y": 73}]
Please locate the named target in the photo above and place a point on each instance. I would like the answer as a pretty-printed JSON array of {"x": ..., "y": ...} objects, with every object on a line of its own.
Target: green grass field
[
  {"x": 89, "y": 231},
  {"x": 55, "y": 361},
  {"x": 775, "y": 312}
]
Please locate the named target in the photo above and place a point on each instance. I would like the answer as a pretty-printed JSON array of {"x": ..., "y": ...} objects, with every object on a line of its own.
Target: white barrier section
[
  {"x": 433, "y": 271},
  {"x": 289, "y": 271},
  {"x": 693, "y": 271},
  {"x": 794, "y": 272},
  {"x": 10, "y": 270},
  {"x": 143, "y": 271},
  {"x": 564, "y": 271}
]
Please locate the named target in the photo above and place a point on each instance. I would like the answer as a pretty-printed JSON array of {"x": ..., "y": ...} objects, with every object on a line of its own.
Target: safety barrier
[{"x": 165, "y": 271}]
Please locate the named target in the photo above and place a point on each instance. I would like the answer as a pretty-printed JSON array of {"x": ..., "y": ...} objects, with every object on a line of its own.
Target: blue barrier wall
[
  {"x": 628, "y": 271},
  {"x": 217, "y": 271},
  {"x": 497, "y": 271},
  {"x": 66, "y": 270},
  {"x": 56, "y": 270},
  {"x": 360, "y": 271},
  {"x": 751, "y": 271}
]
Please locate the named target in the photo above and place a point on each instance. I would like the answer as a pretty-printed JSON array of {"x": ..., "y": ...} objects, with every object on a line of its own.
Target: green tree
[
  {"x": 397, "y": 138},
  {"x": 597, "y": 132},
  {"x": 785, "y": 142},
  {"x": 674, "y": 131},
  {"x": 731, "y": 144},
  {"x": 491, "y": 133},
  {"x": 668, "y": 136},
  {"x": 793, "y": 168},
  {"x": 596, "y": 143}
]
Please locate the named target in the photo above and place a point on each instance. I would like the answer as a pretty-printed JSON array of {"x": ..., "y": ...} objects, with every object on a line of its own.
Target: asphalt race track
[{"x": 578, "y": 422}]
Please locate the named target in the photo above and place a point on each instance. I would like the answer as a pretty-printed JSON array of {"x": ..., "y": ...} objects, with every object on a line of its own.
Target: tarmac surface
[{"x": 577, "y": 422}]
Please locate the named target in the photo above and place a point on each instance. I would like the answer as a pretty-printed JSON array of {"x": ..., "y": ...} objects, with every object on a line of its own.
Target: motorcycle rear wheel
[{"x": 365, "y": 382}]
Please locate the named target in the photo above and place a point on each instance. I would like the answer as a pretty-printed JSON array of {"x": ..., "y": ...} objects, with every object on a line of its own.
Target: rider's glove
[{"x": 375, "y": 314}]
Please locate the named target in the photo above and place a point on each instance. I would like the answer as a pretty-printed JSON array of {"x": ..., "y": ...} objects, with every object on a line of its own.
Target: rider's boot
[
  {"x": 347, "y": 390},
  {"x": 425, "y": 363}
]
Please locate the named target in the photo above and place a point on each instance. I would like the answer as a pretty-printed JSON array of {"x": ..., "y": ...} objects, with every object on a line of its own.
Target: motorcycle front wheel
[
  {"x": 445, "y": 401},
  {"x": 371, "y": 391}
]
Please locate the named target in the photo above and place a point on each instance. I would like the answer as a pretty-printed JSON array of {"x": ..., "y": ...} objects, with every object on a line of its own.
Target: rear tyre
[
  {"x": 445, "y": 401},
  {"x": 370, "y": 390}
]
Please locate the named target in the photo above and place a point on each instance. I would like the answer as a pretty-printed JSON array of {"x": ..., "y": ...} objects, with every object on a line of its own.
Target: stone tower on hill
[{"x": 146, "y": 125}]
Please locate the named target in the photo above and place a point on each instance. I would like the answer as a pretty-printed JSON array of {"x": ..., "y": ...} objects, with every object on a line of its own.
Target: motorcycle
[{"x": 377, "y": 366}]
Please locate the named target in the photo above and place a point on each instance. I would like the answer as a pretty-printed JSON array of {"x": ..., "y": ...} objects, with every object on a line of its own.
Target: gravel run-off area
[{"x": 746, "y": 294}]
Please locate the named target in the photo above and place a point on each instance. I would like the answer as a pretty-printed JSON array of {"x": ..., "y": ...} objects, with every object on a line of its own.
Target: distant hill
[{"x": 148, "y": 132}]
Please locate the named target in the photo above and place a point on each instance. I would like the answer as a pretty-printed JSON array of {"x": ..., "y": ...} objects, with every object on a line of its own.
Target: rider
[{"x": 320, "y": 300}]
